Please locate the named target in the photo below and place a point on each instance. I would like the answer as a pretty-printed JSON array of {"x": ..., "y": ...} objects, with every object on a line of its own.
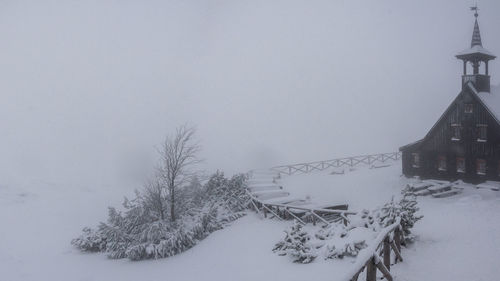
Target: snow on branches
[
  {"x": 141, "y": 230},
  {"x": 337, "y": 240},
  {"x": 296, "y": 244}
]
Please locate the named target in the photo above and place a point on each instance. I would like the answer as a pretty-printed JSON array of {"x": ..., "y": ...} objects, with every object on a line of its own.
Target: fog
[{"x": 89, "y": 88}]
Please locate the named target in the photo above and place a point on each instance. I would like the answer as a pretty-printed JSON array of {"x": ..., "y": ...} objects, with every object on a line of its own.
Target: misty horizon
[{"x": 91, "y": 88}]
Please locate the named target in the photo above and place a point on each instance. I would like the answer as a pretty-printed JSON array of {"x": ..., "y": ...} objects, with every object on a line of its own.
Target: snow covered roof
[
  {"x": 404, "y": 147},
  {"x": 490, "y": 100},
  {"x": 476, "y": 49}
]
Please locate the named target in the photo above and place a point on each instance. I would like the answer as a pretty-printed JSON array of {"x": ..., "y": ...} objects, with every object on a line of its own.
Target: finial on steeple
[
  {"x": 476, "y": 35},
  {"x": 476, "y": 55},
  {"x": 475, "y": 9}
]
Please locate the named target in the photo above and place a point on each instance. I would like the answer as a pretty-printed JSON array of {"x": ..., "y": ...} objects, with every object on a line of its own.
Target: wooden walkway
[{"x": 270, "y": 199}]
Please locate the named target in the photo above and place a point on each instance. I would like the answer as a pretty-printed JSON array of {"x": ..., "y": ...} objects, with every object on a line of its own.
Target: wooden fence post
[
  {"x": 384, "y": 271},
  {"x": 397, "y": 238},
  {"x": 387, "y": 253},
  {"x": 371, "y": 270}
]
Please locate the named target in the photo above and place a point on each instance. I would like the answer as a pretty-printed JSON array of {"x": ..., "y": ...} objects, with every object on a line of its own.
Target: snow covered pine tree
[
  {"x": 142, "y": 232},
  {"x": 296, "y": 244}
]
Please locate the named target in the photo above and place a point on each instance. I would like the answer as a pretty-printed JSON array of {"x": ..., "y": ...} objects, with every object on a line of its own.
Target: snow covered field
[
  {"x": 360, "y": 188},
  {"x": 459, "y": 237}
]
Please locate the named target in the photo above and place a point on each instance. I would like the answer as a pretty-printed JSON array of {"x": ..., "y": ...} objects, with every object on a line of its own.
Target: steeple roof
[
  {"x": 476, "y": 36},
  {"x": 476, "y": 50}
]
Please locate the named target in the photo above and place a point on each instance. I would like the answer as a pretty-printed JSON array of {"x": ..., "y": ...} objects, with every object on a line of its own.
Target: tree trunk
[
  {"x": 162, "y": 216},
  {"x": 172, "y": 204}
]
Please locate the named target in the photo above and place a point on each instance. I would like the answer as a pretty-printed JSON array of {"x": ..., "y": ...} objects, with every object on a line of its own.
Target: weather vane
[{"x": 475, "y": 9}]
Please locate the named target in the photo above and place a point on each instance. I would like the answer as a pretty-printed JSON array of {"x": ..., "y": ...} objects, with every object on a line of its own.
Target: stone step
[
  {"x": 287, "y": 200},
  {"x": 418, "y": 186},
  {"x": 439, "y": 188},
  {"x": 271, "y": 194},
  {"x": 433, "y": 182},
  {"x": 264, "y": 188},
  {"x": 262, "y": 184},
  {"x": 423, "y": 192},
  {"x": 259, "y": 181},
  {"x": 447, "y": 193},
  {"x": 493, "y": 185}
]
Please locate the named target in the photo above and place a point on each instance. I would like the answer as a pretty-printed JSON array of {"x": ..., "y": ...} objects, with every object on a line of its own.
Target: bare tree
[
  {"x": 155, "y": 197},
  {"x": 178, "y": 156}
]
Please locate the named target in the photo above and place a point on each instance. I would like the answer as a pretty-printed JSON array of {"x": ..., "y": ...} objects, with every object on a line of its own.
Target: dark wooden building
[{"x": 465, "y": 141}]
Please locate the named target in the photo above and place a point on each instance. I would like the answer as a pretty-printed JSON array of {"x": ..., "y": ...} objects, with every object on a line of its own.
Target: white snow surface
[
  {"x": 458, "y": 239},
  {"x": 474, "y": 50},
  {"x": 361, "y": 188}
]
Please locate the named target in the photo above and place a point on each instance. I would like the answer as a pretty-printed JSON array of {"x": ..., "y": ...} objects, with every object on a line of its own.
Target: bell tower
[{"x": 476, "y": 56}]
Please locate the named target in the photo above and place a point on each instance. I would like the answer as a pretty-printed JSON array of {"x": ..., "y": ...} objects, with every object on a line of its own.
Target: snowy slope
[
  {"x": 458, "y": 238},
  {"x": 41, "y": 219},
  {"x": 360, "y": 188}
]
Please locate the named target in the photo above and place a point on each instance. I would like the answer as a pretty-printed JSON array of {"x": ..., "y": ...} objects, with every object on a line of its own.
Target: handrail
[
  {"x": 302, "y": 208},
  {"x": 266, "y": 205},
  {"x": 367, "y": 258},
  {"x": 370, "y": 259},
  {"x": 339, "y": 162}
]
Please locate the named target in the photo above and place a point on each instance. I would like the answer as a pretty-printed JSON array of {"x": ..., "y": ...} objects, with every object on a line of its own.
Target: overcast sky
[{"x": 88, "y": 88}]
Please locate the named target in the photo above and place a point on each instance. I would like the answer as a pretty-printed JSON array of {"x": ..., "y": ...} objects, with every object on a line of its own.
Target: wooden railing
[
  {"x": 481, "y": 82},
  {"x": 370, "y": 259},
  {"x": 285, "y": 211},
  {"x": 302, "y": 168},
  {"x": 388, "y": 240}
]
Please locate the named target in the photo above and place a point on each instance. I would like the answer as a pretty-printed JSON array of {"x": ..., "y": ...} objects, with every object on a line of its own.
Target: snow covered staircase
[
  {"x": 270, "y": 198},
  {"x": 270, "y": 194},
  {"x": 262, "y": 185}
]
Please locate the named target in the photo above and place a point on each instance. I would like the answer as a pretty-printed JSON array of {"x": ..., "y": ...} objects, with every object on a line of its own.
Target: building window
[
  {"x": 442, "y": 163},
  {"x": 469, "y": 107},
  {"x": 460, "y": 165},
  {"x": 482, "y": 134},
  {"x": 455, "y": 130},
  {"x": 415, "y": 160},
  {"x": 481, "y": 167}
]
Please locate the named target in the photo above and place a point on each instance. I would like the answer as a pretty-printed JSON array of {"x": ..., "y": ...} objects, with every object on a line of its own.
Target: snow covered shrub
[
  {"x": 90, "y": 241},
  {"x": 143, "y": 231},
  {"x": 117, "y": 241},
  {"x": 296, "y": 244},
  {"x": 337, "y": 240},
  {"x": 350, "y": 249},
  {"x": 406, "y": 209},
  {"x": 366, "y": 218}
]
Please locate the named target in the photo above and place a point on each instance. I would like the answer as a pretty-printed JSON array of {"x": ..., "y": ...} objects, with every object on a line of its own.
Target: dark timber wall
[{"x": 439, "y": 142}]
